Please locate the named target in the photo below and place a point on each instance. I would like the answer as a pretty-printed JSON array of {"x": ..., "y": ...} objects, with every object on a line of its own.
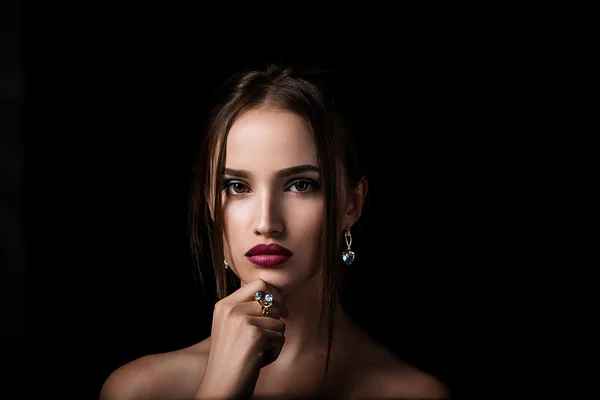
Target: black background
[{"x": 448, "y": 99}]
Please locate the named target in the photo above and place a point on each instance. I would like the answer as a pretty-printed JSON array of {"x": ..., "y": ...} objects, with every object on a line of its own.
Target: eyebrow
[{"x": 282, "y": 173}]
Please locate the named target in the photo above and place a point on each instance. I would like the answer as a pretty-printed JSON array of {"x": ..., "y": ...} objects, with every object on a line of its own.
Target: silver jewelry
[{"x": 348, "y": 255}]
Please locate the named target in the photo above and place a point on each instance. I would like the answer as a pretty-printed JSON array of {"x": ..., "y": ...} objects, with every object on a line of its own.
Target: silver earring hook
[{"x": 348, "y": 237}]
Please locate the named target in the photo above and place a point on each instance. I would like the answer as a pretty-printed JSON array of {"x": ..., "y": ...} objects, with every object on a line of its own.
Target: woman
[{"x": 278, "y": 189}]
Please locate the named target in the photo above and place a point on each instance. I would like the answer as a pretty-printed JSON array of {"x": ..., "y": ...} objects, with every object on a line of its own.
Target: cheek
[
  {"x": 310, "y": 228},
  {"x": 314, "y": 222},
  {"x": 235, "y": 218},
  {"x": 305, "y": 220}
]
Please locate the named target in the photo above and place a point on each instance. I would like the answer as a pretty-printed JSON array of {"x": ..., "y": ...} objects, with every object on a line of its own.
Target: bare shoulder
[
  {"x": 171, "y": 375},
  {"x": 384, "y": 375},
  {"x": 402, "y": 381}
]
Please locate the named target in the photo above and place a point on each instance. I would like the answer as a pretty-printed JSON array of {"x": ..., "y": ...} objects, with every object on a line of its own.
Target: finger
[
  {"x": 272, "y": 324},
  {"x": 252, "y": 308},
  {"x": 248, "y": 291}
]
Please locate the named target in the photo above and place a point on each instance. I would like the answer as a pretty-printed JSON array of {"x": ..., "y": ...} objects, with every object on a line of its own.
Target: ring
[{"x": 265, "y": 300}]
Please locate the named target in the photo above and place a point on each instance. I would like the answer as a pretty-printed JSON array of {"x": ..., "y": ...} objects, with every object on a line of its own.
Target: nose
[{"x": 269, "y": 221}]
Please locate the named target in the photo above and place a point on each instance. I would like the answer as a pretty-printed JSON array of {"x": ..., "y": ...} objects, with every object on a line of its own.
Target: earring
[
  {"x": 348, "y": 255},
  {"x": 225, "y": 263}
]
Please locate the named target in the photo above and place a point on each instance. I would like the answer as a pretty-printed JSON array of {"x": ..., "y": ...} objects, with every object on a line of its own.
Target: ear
[{"x": 355, "y": 202}]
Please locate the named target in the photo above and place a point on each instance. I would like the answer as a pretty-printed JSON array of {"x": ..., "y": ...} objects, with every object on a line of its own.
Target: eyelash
[{"x": 312, "y": 186}]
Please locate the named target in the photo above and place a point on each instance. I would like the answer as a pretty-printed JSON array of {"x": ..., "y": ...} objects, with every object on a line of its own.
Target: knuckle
[
  {"x": 224, "y": 308},
  {"x": 262, "y": 285},
  {"x": 243, "y": 320},
  {"x": 218, "y": 306},
  {"x": 253, "y": 333}
]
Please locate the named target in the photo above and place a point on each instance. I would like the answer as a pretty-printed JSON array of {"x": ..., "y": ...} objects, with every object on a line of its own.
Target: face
[{"x": 271, "y": 195}]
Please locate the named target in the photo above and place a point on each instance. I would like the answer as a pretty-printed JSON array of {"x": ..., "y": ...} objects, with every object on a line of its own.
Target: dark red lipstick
[{"x": 268, "y": 255}]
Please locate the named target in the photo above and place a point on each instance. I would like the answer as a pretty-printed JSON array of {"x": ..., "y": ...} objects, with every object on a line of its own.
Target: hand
[{"x": 242, "y": 342}]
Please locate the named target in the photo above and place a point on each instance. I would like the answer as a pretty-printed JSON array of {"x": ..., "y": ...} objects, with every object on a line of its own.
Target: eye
[
  {"x": 234, "y": 188},
  {"x": 303, "y": 186},
  {"x": 238, "y": 187}
]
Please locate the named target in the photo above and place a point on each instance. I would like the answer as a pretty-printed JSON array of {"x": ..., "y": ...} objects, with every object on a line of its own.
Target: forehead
[{"x": 270, "y": 139}]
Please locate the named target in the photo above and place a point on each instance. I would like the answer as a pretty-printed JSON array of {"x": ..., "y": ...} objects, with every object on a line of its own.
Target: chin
[{"x": 280, "y": 279}]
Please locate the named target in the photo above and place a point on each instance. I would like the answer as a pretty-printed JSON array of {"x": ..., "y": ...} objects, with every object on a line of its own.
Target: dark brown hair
[{"x": 303, "y": 91}]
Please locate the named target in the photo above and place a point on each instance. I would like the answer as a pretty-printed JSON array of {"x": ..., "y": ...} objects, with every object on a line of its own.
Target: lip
[
  {"x": 264, "y": 249},
  {"x": 268, "y": 255},
  {"x": 268, "y": 260}
]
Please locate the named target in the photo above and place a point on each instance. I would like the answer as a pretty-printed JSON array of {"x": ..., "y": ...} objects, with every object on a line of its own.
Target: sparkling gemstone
[
  {"x": 348, "y": 257},
  {"x": 268, "y": 297},
  {"x": 258, "y": 295}
]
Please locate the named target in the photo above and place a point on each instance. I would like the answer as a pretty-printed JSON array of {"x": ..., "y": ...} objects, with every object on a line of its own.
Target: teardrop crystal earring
[
  {"x": 348, "y": 255},
  {"x": 225, "y": 263}
]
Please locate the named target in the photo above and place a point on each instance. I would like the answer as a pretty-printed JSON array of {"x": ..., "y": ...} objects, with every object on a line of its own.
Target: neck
[
  {"x": 300, "y": 366},
  {"x": 304, "y": 336}
]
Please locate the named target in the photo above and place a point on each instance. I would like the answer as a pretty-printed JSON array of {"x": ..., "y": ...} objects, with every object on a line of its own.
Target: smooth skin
[{"x": 282, "y": 354}]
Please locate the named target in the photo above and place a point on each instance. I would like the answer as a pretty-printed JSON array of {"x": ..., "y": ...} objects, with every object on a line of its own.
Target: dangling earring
[
  {"x": 225, "y": 263},
  {"x": 348, "y": 255}
]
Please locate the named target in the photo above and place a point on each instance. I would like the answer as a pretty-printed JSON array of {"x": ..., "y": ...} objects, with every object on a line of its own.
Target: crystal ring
[{"x": 265, "y": 300}]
